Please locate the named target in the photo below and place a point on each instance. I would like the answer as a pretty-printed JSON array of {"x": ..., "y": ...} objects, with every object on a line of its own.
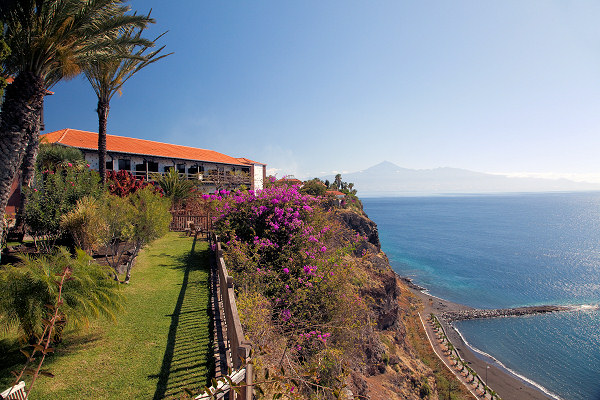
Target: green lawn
[{"x": 160, "y": 344}]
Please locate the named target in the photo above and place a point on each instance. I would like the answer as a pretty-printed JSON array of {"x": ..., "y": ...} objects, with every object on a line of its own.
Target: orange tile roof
[
  {"x": 335, "y": 193},
  {"x": 121, "y": 144},
  {"x": 293, "y": 181},
  {"x": 248, "y": 161}
]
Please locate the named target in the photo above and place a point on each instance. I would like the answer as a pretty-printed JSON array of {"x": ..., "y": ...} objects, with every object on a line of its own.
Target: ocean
[{"x": 497, "y": 251}]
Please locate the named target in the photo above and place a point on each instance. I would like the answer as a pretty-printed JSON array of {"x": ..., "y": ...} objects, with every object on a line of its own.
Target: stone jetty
[{"x": 450, "y": 316}]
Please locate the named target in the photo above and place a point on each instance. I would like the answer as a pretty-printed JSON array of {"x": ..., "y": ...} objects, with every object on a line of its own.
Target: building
[{"x": 144, "y": 158}]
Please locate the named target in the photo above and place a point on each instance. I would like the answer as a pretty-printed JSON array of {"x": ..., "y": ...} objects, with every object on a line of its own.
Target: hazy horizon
[{"x": 312, "y": 88}]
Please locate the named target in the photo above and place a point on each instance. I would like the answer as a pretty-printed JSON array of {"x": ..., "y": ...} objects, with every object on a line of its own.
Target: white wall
[{"x": 258, "y": 176}]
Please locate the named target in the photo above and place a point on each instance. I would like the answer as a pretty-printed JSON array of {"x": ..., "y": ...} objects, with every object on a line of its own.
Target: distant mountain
[{"x": 388, "y": 179}]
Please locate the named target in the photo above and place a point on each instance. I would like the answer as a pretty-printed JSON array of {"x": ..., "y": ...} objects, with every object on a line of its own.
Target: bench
[
  {"x": 16, "y": 392},
  {"x": 223, "y": 386}
]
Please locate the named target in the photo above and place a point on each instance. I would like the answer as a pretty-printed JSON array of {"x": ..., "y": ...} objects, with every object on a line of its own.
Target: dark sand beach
[{"x": 508, "y": 386}]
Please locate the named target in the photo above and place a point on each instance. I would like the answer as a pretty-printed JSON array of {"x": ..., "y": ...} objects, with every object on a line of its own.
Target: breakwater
[{"x": 461, "y": 315}]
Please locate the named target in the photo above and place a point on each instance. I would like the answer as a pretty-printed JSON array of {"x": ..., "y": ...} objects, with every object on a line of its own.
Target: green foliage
[
  {"x": 151, "y": 217},
  {"x": 424, "y": 390},
  {"x": 314, "y": 187},
  {"x": 287, "y": 258},
  {"x": 4, "y": 52},
  {"x": 52, "y": 156},
  {"x": 6, "y": 222},
  {"x": 85, "y": 224},
  {"x": 134, "y": 352},
  {"x": 175, "y": 186},
  {"x": 26, "y": 289},
  {"x": 132, "y": 221},
  {"x": 54, "y": 194}
]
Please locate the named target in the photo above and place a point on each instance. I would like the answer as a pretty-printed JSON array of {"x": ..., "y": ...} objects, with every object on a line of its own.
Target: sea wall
[{"x": 502, "y": 312}]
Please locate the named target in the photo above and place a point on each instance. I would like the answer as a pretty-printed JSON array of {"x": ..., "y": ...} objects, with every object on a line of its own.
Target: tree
[
  {"x": 338, "y": 181},
  {"x": 176, "y": 187},
  {"x": 49, "y": 40},
  {"x": 314, "y": 187},
  {"x": 108, "y": 76}
]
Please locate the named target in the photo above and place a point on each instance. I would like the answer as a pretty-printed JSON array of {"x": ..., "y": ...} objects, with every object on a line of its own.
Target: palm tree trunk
[
  {"x": 27, "y": 174},
  {"x": 103, "y": 108},
  {"x": 20, "y": 116}
]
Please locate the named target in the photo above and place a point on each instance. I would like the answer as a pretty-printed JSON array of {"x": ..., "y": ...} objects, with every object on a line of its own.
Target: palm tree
[
  {"x": 108, "y": 76},
  {"x": 50, "y": 40},
  {"x": 338, "y": 181},
  {"x": 26, "y": 289}
]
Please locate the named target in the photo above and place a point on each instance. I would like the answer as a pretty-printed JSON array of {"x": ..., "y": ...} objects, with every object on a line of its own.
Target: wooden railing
[
  {"x": 182, "y": 219},
  {"x": 237, "y": 345},
  {"x": 207, "y": 177}
]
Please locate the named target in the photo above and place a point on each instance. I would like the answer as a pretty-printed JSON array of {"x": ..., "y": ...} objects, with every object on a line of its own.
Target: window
[
  {"x": 193, "y": 170},
  {"x": 109, "y": 165},
  {"x": 181, "y": 168},
  {"x": 124, "y": 164},
  {"x": 152, "y": 166},
  {"x": 168, "y": 168}
]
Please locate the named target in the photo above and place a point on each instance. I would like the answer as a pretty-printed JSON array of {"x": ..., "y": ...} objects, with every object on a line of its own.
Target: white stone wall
[
  {"x": 92, "y": 159},
  {"x": 258, "y": 177}
]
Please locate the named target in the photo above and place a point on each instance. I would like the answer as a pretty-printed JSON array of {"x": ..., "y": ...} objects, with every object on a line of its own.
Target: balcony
[{"x": 217, "y": 178}]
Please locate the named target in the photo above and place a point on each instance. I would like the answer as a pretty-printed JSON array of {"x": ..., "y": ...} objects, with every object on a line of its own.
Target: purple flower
[{"x": 287, "y": 271}]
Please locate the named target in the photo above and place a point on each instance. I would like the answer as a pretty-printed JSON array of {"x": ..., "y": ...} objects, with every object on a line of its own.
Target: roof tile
[{"x": 121, "y": 144}]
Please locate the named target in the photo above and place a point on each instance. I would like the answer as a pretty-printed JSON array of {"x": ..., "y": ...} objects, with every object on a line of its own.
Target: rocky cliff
[{"x": 390, "y": 367}]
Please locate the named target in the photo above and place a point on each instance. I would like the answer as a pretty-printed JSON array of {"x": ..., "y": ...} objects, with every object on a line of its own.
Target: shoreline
[{"x": 507, "y": 383}]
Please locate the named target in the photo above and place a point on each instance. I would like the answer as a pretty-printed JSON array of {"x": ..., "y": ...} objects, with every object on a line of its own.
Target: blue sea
[{"x": 497, "y": 251}]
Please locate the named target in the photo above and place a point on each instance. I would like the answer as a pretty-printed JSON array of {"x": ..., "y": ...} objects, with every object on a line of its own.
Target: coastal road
[
  {"x": 435, "y": 345},
  {"x": 508, "y": 386}
]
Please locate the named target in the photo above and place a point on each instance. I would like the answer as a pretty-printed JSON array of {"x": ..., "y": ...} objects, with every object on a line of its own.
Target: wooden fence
[
  {"x": 238, "y": 346},
  {"x": 182, "y": 219}
]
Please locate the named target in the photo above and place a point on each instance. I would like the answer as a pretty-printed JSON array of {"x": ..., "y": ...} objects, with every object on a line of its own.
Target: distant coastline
[
  {"x": 390, "y": 180},
  {"x": 390, "y": 194}
]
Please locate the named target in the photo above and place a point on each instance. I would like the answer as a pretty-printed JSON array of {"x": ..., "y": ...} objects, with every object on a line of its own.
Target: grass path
[{"x": 159, "y": 345}]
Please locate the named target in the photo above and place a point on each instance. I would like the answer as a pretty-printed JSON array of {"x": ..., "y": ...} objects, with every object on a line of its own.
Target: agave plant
[{"x": 27, "y": 288}]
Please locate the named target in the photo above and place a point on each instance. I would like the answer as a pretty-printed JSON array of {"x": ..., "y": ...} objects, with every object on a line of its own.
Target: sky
[{"x": 318, "y": 87}]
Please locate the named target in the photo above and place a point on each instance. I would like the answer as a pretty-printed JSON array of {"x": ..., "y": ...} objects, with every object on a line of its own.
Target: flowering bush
[
  {"x": 278, "y": 243},
  {"x": 123, "y": 183}
]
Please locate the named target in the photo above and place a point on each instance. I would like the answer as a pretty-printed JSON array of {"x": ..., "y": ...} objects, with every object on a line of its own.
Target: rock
[{"x": 361, "y": 225}]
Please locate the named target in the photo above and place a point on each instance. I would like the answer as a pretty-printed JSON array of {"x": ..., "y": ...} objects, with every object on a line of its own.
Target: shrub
[
  {"x": 314, "y": 187},
  {"x": 133, "y": 221},
  {"x": 85, "y": 224},
  {"x": 123, "y": 183},
  {"x": 54, "y": 194},
  {"x": 52, "y": 156},
  {"x": 27, "y": 288},
  {"x": 277, "y": 247}
]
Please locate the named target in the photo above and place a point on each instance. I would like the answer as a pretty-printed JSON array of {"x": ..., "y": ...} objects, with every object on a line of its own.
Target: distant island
[{"x": 388, "y": 179}]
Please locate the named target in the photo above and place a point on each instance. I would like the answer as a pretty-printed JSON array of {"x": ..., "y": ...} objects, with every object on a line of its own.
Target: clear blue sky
[{"x": 311, "y": 87}]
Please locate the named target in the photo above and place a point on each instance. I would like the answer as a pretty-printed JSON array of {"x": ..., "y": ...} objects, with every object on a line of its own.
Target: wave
[
  {"x": 504, "y": 367},
  {"x": 585, "y": 307}
]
